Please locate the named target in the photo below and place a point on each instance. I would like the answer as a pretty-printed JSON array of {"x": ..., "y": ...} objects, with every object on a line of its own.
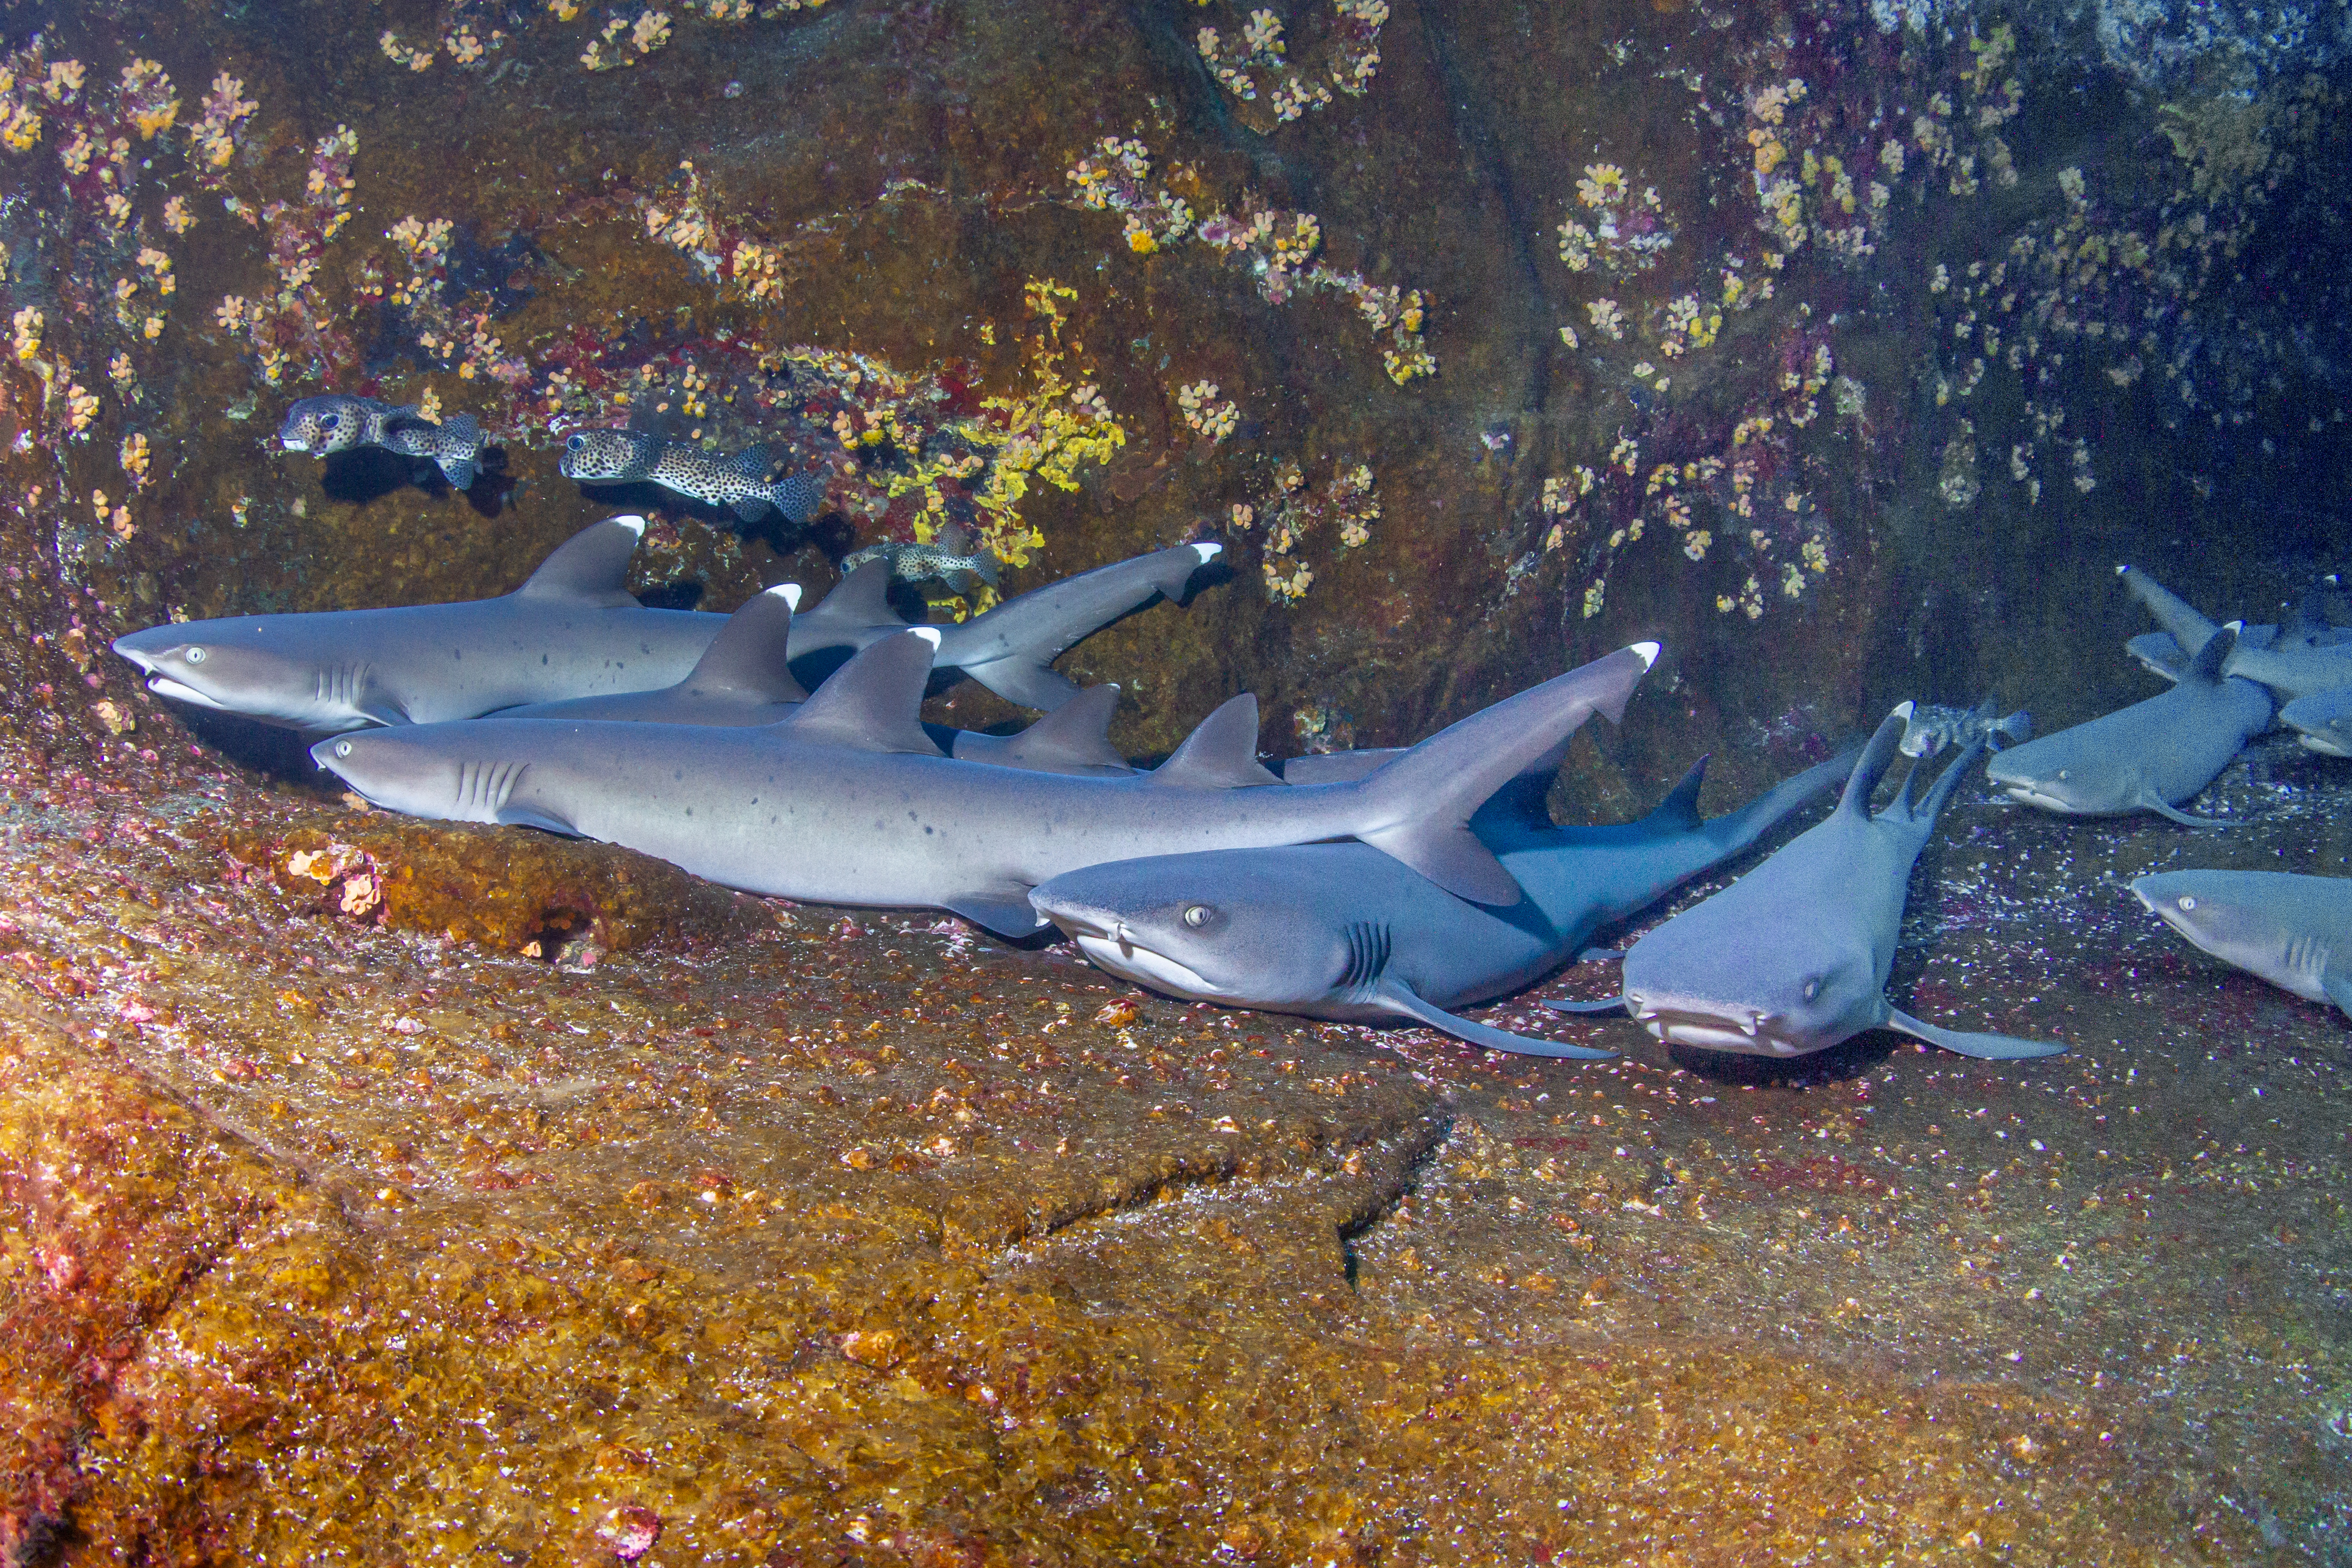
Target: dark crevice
[
  {"x": 1478, "y": 137},
  {"x": 1407, "y": 1183}
]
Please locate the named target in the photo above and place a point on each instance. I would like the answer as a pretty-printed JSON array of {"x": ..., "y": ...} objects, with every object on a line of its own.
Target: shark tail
[
  {"x": 1025, "y": 674},
  {"x": 2189, "y": 627},
  {"x": 1983, "y": 1048},
  {"x": 1877, "y": 756},
  {"x": 1418, "y": 808},
  {"x": 1932, "y": 806}
]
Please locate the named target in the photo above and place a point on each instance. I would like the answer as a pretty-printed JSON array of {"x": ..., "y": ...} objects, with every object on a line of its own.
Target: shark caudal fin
[
  {"x": 1417, "y": 809},
  {"x": 1219, "y": 754},
  {"x": 874, "y": 702},
  {"x": 590, "y": 568},
  {"x": 1983, "y": 1048},
  {"x": 1075, "y": 737},
  {"x": 1931, "y": 806},
  {"x": 750, "y": 653},
  {"x": 1397, "y": 997},
  {"x": 1877, "y": 756},
  {"x": 2189, "y": 627},
  {"x": 1039, "y": 626}
]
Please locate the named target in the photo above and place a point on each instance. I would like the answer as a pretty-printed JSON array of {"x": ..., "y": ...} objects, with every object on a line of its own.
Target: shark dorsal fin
[
  {"x": 863, "y": 598},
  {"x": 1221, "y": 753},
  {"x": 589, "y": 568},
  {"x": 873, "y": 702},
  {"x": 1076, "y": 734},
  {"x": 1678, "y": 813},
  {"x": 2206, "y": 667},
  {"x": 748, "y": 655},
  {"x": 1877, "y": 758}
]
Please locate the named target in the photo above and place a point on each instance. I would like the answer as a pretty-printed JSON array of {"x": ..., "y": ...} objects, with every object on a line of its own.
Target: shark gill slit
[{"x": 1368, "y": 957}]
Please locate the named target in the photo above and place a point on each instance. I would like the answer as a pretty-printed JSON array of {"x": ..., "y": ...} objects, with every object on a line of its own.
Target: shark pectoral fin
[
  {"x": 1984, "y": 1047},
  {"x": 2338, "y": 987},
  {"x": 1605, "y": 1005},
  {"x": 1006, "y": 914},
  {"x": 1023, "y": 679},
  {"x": 1400, "y": 999},
  {"x": 532, "y": 817},
  {"x": 592, "y": 567},
  {"x": 1219, "y": 754},
  {"x": 385, "y": 711},
  {"x": 2163, "y": 808},
  {"x": 1451, "y": 856}
]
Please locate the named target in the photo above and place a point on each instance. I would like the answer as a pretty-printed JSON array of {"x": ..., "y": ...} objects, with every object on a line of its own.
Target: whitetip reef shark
[
  {"x": 848, "y": 801},
  {"x": 573, "y": 630},
  {"x": 2294, "y": 931},
  {"x": 2150, "y": 756},
  {"x": 1793, "y": 957},
  {"x": 1342, "y": 932},
  {"x": 2301, "y": 658}
]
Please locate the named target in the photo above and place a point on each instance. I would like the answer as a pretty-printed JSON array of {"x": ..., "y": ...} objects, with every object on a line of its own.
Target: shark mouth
[
  {"x": 164, "y": 686},
  {"x": 2026, "y": 795},
  {"x": 1714, "y": 1026},
  {"x": 1111, "y": 946}
]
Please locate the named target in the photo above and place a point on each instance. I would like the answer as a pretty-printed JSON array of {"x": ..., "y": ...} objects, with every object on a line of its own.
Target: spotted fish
[
  {"x": 741, "y": 483},
  {"x": 925, "y": 562},
  {"x": 337, "y": 423},
  {"x": 1932, "y": 728}
]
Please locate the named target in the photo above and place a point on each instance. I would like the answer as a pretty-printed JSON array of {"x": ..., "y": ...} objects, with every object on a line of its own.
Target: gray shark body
[
  {"x": 744, "y": 678},
  {"x": 1342, "y": 932},
  {"x": 1794, "y": 957},
  {"x": 573, "y": 631},
  {"x": 2294, "y": 932},
  {"x": 848, "y": 801},
  {"x": 2301, "y": 659},
  {"x": 2150, "y": 756}
]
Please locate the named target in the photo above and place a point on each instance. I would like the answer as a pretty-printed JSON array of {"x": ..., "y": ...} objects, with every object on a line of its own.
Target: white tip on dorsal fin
[
  {"x": 1649, "y": 652},
  {"x": 862, "y": 598},
  {"x": 791, "y": 591},
  {"x": 874, "y": 702},
  {"x": 1221, "y": 753},
  {"x": 591, "y": 567},
  {"x": 2124, "y": 570},
  {"x": 748, "y": 655},
  {"x": 1208, "y": 552},
  {"x": 1903, "y": 709},
  {"x": 1076, "y": 734},
  {"x": 928, "y": 634}
]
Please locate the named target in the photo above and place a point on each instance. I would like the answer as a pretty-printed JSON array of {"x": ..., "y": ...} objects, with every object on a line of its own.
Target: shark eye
[
  {"x": 343, "y": 748},
  {"x": 1197, "y": 915},
  {"x": 2188, "y": 903},
  {"x": 194, "y": 655},
  {"x": 573, "y": 443},
  {"x": 1812, "y": 987},
  {"x": 2061, "y": 772}
]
